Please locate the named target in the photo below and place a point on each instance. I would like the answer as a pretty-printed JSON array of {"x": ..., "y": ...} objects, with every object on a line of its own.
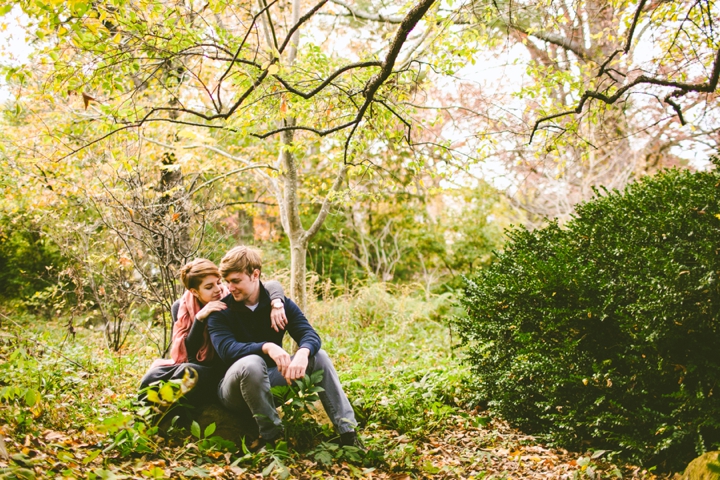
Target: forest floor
[{"x": 68, "y": 410}]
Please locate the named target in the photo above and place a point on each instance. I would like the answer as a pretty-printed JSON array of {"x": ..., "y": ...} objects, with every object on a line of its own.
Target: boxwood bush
[{"x": 604, "y": 332}]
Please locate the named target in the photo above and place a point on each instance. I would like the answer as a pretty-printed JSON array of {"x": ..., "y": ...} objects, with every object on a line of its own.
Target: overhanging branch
[
  {"x": 681, "y": 89},
  {"x": 328, "y": 80},
  {"x": 409, "y": 22},
  {"x": 371, "y": 87}
]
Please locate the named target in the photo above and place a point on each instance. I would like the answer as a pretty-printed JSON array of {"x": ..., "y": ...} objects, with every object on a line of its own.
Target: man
[{"x": 251, "y": 346}]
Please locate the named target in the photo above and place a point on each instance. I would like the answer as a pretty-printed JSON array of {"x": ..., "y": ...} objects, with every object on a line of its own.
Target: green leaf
[
  {"x": 166, "y": 392},
  {"x": 598, "y": 454},
  {"x": 105, "y": 474},
  {"x": 324, "y": 457},
  {"x": 91, "y": 456},
  {"x": 24, "y": 474},
  {"x": 430, "y": 468},
  {"x": 31, "y": 398},
  {"x": 64, "y": 456},
  {"x": 195, "y": 429},
  {"x": 209, "y": 430},
  {"x": 153, "y": 396}
]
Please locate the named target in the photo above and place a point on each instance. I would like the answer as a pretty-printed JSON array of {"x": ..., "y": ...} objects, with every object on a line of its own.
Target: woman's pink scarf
[{"x": 189, "y": 307}]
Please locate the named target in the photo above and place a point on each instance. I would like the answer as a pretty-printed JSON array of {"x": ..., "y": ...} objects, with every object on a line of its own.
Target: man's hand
[
  {"x": 278, "y": 319},
  {"x": 298, "y": 366},
  {"x": 279, "y": 356},
  {"x": 215, "y": 306}
]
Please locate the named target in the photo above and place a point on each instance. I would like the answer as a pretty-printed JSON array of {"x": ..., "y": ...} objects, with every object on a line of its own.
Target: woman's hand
[
  {"x": 215, "y": 306},
  {"x": 278, "y": 320}
]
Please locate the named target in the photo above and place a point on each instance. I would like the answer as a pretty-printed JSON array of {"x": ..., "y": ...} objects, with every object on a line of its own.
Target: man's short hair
[{"x": 241, "y": 259}]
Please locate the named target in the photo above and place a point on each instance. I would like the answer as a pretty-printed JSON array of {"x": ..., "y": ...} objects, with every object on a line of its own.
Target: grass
[
  {"x": 391, "y": 349},
  {"x": 67, "y": 406},
  {"x": 395, "y": 354}
]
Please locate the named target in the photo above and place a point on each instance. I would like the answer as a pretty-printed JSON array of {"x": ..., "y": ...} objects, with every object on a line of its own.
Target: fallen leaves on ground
[{"x": 460, "y": 450}]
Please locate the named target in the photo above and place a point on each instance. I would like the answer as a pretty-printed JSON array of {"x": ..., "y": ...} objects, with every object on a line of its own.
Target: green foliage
[
  {"x": 207, "y": 442},
  {"x": 402, "y": 375},
  {"x": 128, "y": 435},
  {"x": 296, "y": 403},
  {"x": 407, "y": 238},
  {"x": 606, "y": 331},
  {"x": 329, "y": 453},
  {"x": 382, "y": 342},
  {"x": 29, "y": 262},
  {"x": 24, "y": 401}
]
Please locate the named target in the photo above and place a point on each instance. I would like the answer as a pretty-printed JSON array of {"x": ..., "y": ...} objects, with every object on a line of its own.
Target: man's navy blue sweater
[{"x": 238, "y": 331}]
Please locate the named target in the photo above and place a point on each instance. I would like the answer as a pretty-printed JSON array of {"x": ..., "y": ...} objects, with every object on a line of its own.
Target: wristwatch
[{"x": 277, "y": 304}]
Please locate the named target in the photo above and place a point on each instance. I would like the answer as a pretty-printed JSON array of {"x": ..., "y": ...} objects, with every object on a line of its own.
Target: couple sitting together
[{"x": 232, "y": 336}]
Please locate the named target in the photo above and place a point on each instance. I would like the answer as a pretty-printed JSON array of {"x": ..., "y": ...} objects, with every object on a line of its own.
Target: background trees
[
  {"x": 585, "y": 93},
  {"x": 234, "y": 68},
  {"x": 381, "y": 122}
]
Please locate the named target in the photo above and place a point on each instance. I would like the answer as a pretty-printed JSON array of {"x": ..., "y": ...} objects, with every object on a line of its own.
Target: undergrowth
[{"x": 68, "y": 403}]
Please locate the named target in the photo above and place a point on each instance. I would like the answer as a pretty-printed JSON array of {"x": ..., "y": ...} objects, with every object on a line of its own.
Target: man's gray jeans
[{"x": 246, "y": 386}]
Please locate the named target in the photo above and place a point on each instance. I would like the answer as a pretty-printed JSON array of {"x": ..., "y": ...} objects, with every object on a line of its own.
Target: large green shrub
[{"x": 605, "y": 332}]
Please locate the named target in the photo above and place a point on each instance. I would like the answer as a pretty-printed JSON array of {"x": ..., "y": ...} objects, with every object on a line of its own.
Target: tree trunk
[
  {"x": 298, "y": 259},
  {"x": 292, "y": 224},
  {"x": 288, "y": 196}
]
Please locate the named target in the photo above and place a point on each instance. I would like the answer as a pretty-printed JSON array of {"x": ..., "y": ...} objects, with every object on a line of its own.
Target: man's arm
[
  {"x": 223, "y": 339},
  {"x": 305, "y": 336}
]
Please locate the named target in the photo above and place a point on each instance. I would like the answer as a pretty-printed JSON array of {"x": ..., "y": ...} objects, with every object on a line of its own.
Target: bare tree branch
[
  {"x": 320, "y": 133},
  {"x": 248, "y": 164},
  {"x": 555, "y": 39},
  {"x": 411, "y": 19},
  {"x": 631, "y": 32},
  {"x": 225, "y": 175},
  {"x": 325, "y": 208},
  {"x": 375, "y": 17},
  {"x": 328, "y": 80},
  {"x": 552, "y": 38},
  {"x": 682, "y": 89},
  {"x": 628, "y": 42},
  {"x": 299, "y": 23},
  {"x": 239, "y": 49}
]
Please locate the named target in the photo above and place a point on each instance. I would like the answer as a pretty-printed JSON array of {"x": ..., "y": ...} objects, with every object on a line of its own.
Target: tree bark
[
  {"x": 293, "y": 225},
  {"x": 298, "y": 269}
]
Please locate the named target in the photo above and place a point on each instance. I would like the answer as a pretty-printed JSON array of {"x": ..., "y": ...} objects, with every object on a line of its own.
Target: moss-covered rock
[
  {"x": 705, "y": 467},
  {"x": 229, "y": 425}
]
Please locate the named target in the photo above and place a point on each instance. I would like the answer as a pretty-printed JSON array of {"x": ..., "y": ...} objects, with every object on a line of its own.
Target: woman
[{"x": 191, "y": 347}]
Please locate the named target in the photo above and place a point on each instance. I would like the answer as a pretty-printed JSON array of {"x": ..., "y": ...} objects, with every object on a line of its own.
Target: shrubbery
[
  {"x": 26, "y": 259},
  {"x": 605, "y": 332}
]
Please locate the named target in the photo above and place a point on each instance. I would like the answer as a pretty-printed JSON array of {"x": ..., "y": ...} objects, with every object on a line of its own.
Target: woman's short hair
[
  {"x": 193, "y": 273},
  {"x": 241, "y": 259}
]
